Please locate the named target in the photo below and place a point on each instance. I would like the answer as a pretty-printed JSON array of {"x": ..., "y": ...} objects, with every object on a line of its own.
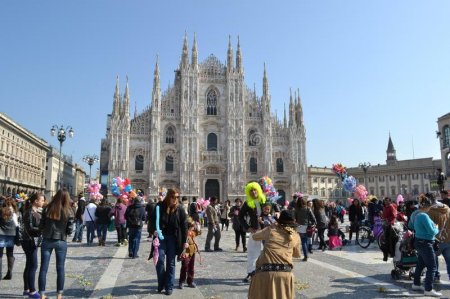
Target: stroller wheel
[
  {"x": 411, "y": 274},
  {"x": 395, "y": 275}
]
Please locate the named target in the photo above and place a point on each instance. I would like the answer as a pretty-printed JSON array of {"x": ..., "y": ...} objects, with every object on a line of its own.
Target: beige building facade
[
  {"x": 406, "y": 177},
  {"x": 22, "y": 159},
  {"x": 444, "y": 140}
]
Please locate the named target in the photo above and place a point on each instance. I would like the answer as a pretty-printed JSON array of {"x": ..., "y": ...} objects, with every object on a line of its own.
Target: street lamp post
[
  {"x": 61, "y": 138},
  {"x": 365, "y": 167},
  {"x": 90, "y": 160}
]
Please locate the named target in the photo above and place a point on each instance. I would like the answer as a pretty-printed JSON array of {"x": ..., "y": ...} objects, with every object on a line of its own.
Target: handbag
[
  {"x": 310, "y": 230},
  {"x": 18, "y": 237}
]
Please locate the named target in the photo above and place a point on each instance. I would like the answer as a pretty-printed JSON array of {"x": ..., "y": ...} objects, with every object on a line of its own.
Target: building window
[
  {"x": 280, "y": 165},
  {"x": 426, "y": 188},
  {"x": 381, "y": 178},
  {"x": 393, "y": 191},
  {"x": 322, "y": 192},
  {"x": 253, "y": 165},
  {"x": 330, "y": 192},
  {"x": 212, "y": 142},
  {"x": 382, "y": 192},
  {"x": 337, "y": 193},
  {"x": 170, "y": 135},
  {"x": 169, "y": 163},
  {"x": 404, "y": 189},
  {"x": 211, "y": 102},
  {"x": 371, "y": 179},
  {"x": 322, "y": 180},
  {"x": 415, "y": 176},
  {"x": 139, "y": 163},
  {"x": 372, "y": 190},
  {"x": 316, "y": 191},
  {"x": 446, "y": 141},
  {"x": 415, "y": 190},
  {"x": 315, "y": 180}
]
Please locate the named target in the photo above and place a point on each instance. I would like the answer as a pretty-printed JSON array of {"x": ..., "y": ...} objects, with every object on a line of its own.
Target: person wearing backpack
[
  {"x": 89, "y": 221},
  {"x": 135, "y": 216},
  {"x": 118, "y": 211}
]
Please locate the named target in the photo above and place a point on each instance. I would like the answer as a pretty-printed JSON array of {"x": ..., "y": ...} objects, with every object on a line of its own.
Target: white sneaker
[
  {"x": 432, "y": 293},
  {"x": 417, "y": 288}
]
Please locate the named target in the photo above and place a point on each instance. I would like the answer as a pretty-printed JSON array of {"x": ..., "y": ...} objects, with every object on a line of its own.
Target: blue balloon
[{"x": 349, "y": 184}]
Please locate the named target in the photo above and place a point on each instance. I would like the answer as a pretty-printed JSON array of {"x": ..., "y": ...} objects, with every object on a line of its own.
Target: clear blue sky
[{"x": 364, "y": 68}]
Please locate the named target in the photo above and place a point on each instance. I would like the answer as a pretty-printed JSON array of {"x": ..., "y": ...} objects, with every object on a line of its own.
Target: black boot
[
  {"x": 8, "y": 275},
  {"x": 310, "y": 248}
]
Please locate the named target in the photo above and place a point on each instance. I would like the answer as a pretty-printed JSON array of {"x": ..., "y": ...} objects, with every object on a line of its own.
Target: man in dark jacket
[
  {"x": 78, "y": 235},
  {"x": 135, "y": 216}
]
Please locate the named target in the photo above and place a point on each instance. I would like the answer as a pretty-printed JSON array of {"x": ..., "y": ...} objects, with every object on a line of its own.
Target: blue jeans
[
  {"x": 29, "y": 273},
  {"x": 304, "y": 240},
  {"x": 46, "y": 252},
  {"x": 102, "y": 230},
  {"x": 426, "y": 258},
  {"x": 134, "y": 235},
  {"x": 78, "y": 235},
  {"x": 90, "y": 228},
  {"x": 167, "y": 251},
  {"x": 445, "y": 249}
]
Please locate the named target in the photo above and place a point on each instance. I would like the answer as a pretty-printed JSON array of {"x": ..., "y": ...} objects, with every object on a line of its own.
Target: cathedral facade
[{"x": 208, "y": 134}]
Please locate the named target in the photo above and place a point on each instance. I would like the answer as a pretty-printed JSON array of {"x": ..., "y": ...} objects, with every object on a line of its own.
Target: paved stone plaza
[{"x": 107, "y": 272}]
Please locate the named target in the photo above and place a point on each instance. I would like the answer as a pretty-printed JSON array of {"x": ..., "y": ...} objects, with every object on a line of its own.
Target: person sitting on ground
[{"x": 273, "y": 277}]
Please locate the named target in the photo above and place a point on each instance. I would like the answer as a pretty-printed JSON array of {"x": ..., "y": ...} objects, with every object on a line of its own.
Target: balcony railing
[{"x": 213, "y": 156}]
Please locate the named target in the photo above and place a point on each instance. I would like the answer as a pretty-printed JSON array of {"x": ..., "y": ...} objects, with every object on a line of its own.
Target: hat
[{"x": 287, "y": 218}]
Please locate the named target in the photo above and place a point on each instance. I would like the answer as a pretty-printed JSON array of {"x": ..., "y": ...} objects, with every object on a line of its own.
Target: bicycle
[{"x": 366, "y": 235}]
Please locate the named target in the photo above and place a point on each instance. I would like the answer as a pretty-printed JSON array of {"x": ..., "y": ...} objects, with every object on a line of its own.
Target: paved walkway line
[
  {"x": 109, "y": 278},
  {"x": 388, "y": 286}
]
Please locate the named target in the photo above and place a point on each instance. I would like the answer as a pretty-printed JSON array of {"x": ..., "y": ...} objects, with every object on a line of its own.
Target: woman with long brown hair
[
  {"x": 31, "y": 241},
  {"x": 172, "y": 233},
  {"x": 56, "y": 224},
  {"x": 8, "y": 226}
]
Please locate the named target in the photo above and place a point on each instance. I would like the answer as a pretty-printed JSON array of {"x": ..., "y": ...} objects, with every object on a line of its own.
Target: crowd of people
[{"x": 270, "y": 232}]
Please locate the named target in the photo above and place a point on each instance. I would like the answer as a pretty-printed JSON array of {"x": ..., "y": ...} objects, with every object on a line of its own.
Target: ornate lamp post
[
  {"x": 90, "y": 160},
  {"x": 365, "y": 167},
  {"x": 61, "y": 138}
]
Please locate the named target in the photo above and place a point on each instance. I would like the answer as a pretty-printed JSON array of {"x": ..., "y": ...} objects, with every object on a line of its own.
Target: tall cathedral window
[
  {"x": 253, "y": 165},
  {"x": 280, "y": 165},
  {"x": 170, "y": 135},
  {"x": 212, "y": 142},
  {"x": 169, "y": 164},
  {"x": 139, "y": 163},
  {"x": 446, "y": 137},
  {"x": 211, "y": 102}
]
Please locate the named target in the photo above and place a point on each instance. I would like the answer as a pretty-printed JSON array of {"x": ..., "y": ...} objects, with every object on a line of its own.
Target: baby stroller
[{"x": 405, "y": 259}]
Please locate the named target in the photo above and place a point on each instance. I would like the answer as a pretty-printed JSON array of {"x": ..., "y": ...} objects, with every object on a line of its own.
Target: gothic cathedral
[{"x": 208, "y": 134}]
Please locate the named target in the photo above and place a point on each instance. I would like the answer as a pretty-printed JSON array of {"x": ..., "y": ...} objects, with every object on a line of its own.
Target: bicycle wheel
[
  {"x": 363, "y": 236},
  {"x": 381, "y": 240}
]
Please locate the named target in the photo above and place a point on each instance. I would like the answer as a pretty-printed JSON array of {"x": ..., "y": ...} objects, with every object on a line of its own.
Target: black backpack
[
  {"x": 192, "y": 209},
  {"x": 134, "y": 218}
]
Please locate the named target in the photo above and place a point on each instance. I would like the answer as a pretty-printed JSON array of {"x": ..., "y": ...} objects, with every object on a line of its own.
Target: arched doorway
[
  {"x": 212, "y": 188},
  {"x": 282, "y": 194}
]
